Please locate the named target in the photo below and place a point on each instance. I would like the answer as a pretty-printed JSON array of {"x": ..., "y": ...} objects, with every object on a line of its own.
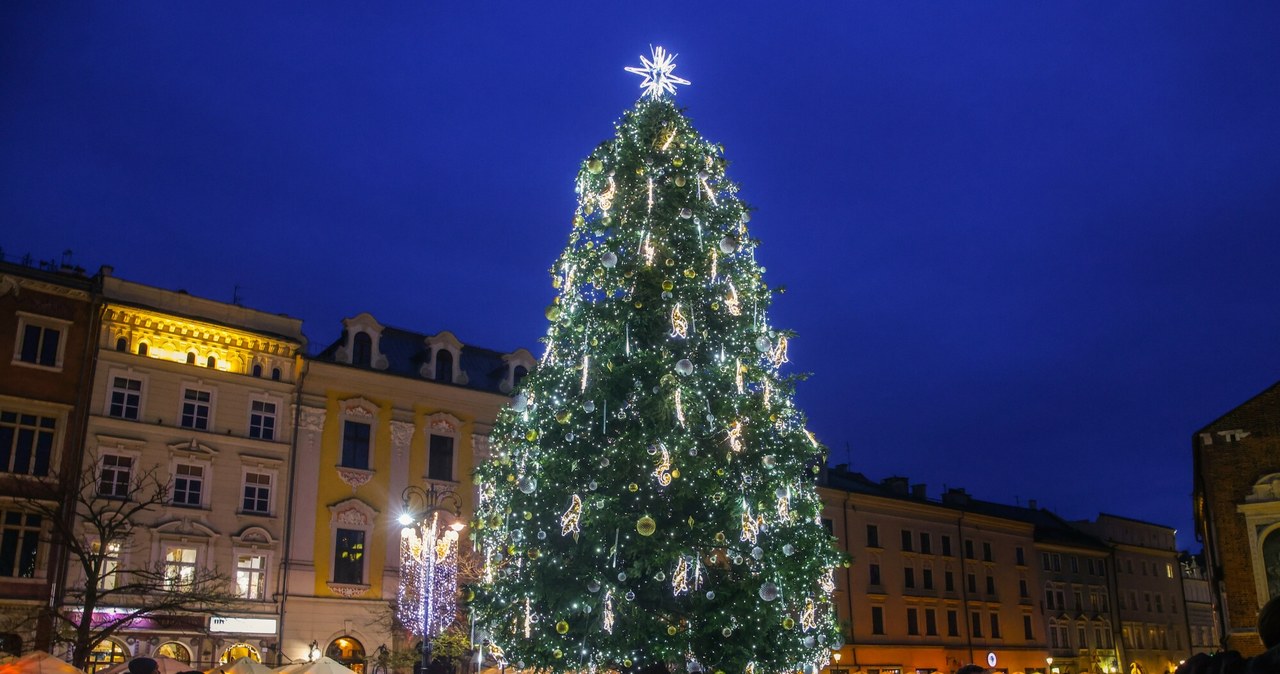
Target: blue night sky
[{"x": 1029, "y": 248}]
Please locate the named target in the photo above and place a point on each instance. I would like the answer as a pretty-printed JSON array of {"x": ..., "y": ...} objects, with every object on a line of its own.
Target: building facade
[
  {"x": 48, "y": 318},
  {"x": 934, "y": 584},
  {"x": 195, "y": 394},
  {"x": 380, "y": 411},
  {"x": 1202, "y": 618},
  {"x": 1236, "y": 464},
  {"x": 1148, "y": 590}
]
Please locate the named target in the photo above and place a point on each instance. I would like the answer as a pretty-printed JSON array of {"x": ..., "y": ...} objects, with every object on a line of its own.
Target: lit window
[
  {"x": 115, "y": 476},
  {"x": 19, "y": 542},
  {"x": 348, "y": 557},
  {"x": 188, "y": 485},
  {"x": 26, "y": 441},
  {"x": 262, "y": 420},
  {"x": 257, "y": 493},
  {"x": 179, "y": 568},
  {"x": 38, "y": 345},
  {"x": 195, "y": 408},
  {"x": 251, "y": 576},
  {"x": 110, "y": 563},
  {"x": 126, "y": 397}
]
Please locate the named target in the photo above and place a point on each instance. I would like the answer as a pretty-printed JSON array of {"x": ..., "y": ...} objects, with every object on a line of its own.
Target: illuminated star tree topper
[{"x": 656, "y": 72}]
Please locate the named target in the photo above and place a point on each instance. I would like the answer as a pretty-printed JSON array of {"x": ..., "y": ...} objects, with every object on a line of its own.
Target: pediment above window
[
  {"x": 353, "y": 513},
  {"x": 193, "y": 449},
  {"x": 1267, "y": 488},
  {"x": 253, "y": 536},
  {"x": 184, "y": 528},
  {"x": 359, "y": 407},
  {"x": 355, "y": 350}
]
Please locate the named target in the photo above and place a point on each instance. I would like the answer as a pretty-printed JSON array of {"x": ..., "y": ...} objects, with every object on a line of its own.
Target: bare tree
[{"x": 94, "y": 522}]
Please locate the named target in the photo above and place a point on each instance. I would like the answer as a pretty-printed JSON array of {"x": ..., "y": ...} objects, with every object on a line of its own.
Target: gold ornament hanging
[
  {"x": 679, "y": 324},
  {"x": 663, "y": 471},
  {"x": 731, "y": 301},
  {"x": 779, "y": 354},
  {"x": 645, "y": 526}
]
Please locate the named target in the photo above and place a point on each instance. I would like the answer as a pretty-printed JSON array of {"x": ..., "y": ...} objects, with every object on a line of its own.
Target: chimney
[
  {"x": 1031, "y": 504},
  {"x": 896, "y": 485},
  {"x": 955, "y": 496},
  {"x": 919, "y": 491}
]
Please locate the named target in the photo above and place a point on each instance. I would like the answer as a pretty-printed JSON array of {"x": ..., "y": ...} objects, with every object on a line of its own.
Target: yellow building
[
  {"x": 195, "y": 392},
  {"x": 380, "y": 410}
]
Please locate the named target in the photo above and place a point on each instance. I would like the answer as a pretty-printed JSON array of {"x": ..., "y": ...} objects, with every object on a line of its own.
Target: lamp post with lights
[{"x": 428, "y": 557}]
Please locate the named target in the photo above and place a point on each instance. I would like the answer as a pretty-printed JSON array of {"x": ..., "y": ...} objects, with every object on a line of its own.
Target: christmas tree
[{"x": 652, "y": 500}]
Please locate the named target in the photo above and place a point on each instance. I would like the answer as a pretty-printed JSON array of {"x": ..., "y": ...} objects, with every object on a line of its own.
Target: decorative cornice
[
  {"x": 188, "y": 330},
  {"x": 348, "y": 590}
]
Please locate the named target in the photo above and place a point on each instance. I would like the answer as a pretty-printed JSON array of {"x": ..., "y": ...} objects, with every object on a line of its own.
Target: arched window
[
  {"x": 212, "y": 362},
  {"x": 444, "y": 365},
  {"x": 519, "y": 374},
  {"x": 275, "y": 374},
  {"x": 237, "y": 651},
  {"x": 361, "y": 349},
  {"x": 122, "y": 345},
  {"x": 142, "y": 349},
  {"x": 348, "y": 652},
  {"x": 1271, "y": 561},
  {"x": 108, "y": 652},
  {"x": 176, "y": 651},
  {"x": 257, "y": 369},
  {"x": 191, "y": 358}
]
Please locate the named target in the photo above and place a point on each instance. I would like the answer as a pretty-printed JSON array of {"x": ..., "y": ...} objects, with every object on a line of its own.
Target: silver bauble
[
  {"x": 768, "y": 592},
  {"x": 592, "y": 485},
  {"x": 728, "y": 244},
  {"x": 763, "y": 344},
  {"x": 527, "y": 485},
  {"x": 686, "y": 213},
  {"x": 788, "y": 549},
  {"x": 711, "y": 594},
  {"x": 542, "y": 535},
  {"x": 757, "y": 553},
  {"x": 589, "y": 406},
  {"x": 684, "y": 367},
  {"x": 622, "y": 576},
  {"x": 630, "y": 595},
  {"x": 593, "y": 585},
  {"x": 609, "y": 260}
]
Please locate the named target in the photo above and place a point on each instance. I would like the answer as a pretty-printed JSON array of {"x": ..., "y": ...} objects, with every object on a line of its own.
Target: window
[
  {"x": 829, "y": 526},
  {"x": 991, "y": 585},
  {"x": 975, "y": 622},
  {"x": 1022, "y": 588},
  {"x": 1019, "y": 556},
  {"x": 355, "y": 444},
  {"x": 1159, "y": 603},
  {"x": 191, "y": 358},
  {"x": 877, "y": 620},
  {"x": 1044, "y": 561},
  {"x": 440, "y": 459},
  {"x": 953, "y": 623},
  {"x": 873, "y": 536},
  {"x": 348, "y": 557},
  {"x": 1075, "y": 564},
  {"x": 946, "y": 546},
  {"x": 444, "y": 365},
  {"x": 251, "y": 577},
  {"x": 1079, "y": 600},
  {"x": 1168, "y": 570},
  {"x": 949, "y": 581},
  {"x": 26, "y": 441},
  {"x": 986, "y": 552},
  {"x": 1133, "y": 599},
  {"x": 913, "y": 621},
  {"x": 115, "y": 476},
  {"x": 1100, "y": 637},
  {"x": 195, "y": 408},
  {"x": 1027, "y": 632},
  {"x": 361, "y": 349},
  {"x": 175, "y": 651},
  {"x": 1053, "y": 635},
  {"x": 19, "y": 543},
  {"x": 275, "y": 374},
  {"x": 874, "y": 571},
  {"x": 188, "y": 485},
  {"x": 926, "y": 543},
  {"x": 257, "y": 493},
  {"x": 1082, "y": 637},
  {"x": 1128, "y": 566},
  {"x": 931, "y": 622},
  {"x": 995, "y": 625},
  {"x": 122, "y": 345},
  {"x": 107, "y": 653},
  {"x": 262, "y": 420},
  {"x": 257, "y": 369},
  {"x": 1062, "y": 603},
  {"x": 927, "y": 578},
  {"x": 211, "y": 362},
  {"x": 38, "y": 344},
  {"x": 968, "y": 549},
  {"x": 906, "y": 541},
  {"x": 179, "y": 568},
  {"x": 110, "y": 563},
  {"x": 1147, "y": 597},
  {"x": 126, "y": 397},
  {"x": 909, "y": 577},
  {"x": 142, "y": 349},
  {"x": 973, "y": 584}
]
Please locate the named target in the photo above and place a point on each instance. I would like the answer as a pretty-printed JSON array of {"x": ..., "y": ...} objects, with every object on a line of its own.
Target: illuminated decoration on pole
[
  {"x": 658, "y": 79},
  {"x": 427, "y": 601}
]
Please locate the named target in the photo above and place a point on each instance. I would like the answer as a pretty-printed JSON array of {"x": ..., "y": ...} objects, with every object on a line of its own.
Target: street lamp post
[{"x": 424, "y": 506}]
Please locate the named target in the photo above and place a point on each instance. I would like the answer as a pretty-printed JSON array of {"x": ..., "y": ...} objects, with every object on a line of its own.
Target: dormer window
[
  {"x": 191, "y": 358},
  {"x": 257, "y": 369},
  {"x": 519, "y": 375},
  {"x": 361, "y": 350},
  {"x": 519, "y": 363},
  {"x": 444, "y": 366}
]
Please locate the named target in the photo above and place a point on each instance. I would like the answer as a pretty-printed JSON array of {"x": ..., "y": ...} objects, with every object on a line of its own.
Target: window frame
[
  {"x": 263, "y": 572},
  {"x": 212, "y": 404},
  {"x": 275, "y": 417},
  {"x": 129, "y": 375},
  {"x": 133, "y": 457},
  {"x": 44, "y": 323},
  {"x": 206, "y": 470},
  {"x": 55, "y": 435},
  {"x": 169, "y": 546},
  {"x": 28, "y": 535},
  {"x": 272, "y": 475}
]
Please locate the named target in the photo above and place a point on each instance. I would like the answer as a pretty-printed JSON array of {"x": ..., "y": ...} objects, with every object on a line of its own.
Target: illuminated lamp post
[{"x": 428, "y": 562}]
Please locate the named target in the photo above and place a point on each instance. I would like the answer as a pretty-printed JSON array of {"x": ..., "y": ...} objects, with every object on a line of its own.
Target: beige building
[
  {"x": 1148, "y": 590},
  {"x": 199, "y": 392},
  {"x": 380, "y": 410},
  {"x": 1202, "y": 620},
  {"x": 934, "y": 585}
]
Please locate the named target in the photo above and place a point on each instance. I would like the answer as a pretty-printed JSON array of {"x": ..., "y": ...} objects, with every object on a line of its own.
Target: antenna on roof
[{"x": 235, "y": 295}]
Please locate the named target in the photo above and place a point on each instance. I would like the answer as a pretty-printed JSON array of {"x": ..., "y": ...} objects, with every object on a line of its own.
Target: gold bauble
[
  {"x": 677, "y": 161},
  {"x": 595, "y": 166},
  {"x": 719, "y": 536},
  {"x": 511, "y": 478},
  {"x": 788, "y": 623},
  {"x": 633, "y": 487},
  {"x": 563, "y": 416},
  {"x": 557, "y": 654},
  {"x": 690, "y": 273},
  {"x": 552, "y": 312},
  {"x": 639, "y": 304},
  {"x": 626, "y": 662},
  {"x": 639, "y": 170},
  {"x": 715, "y": 306},
  {"x": 671, "y": 630},
  {"x": 645, "y": 526},
  {"x": 675, "y": 473},
  {"x": 668, "y": 286},
  {"x": 471, "y": 595},
  {"x": 589, "y": 208},
  {"x": 495, "y": 521},
  {"x": 670, "y": 262},
  {"x": 535, "y": 553},
  {"x": 531, "y": 435},
  {"x": 562, "y": 627},
  {"x": 680, "y": 181},
  {"x": 528, "y": 515},
  {"x": 579, "y": 221}
]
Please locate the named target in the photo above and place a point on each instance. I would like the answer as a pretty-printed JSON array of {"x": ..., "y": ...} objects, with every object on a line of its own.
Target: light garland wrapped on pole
[
  {"x": 428, "y": 595},
  {"x": 651, "y": 502}
]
